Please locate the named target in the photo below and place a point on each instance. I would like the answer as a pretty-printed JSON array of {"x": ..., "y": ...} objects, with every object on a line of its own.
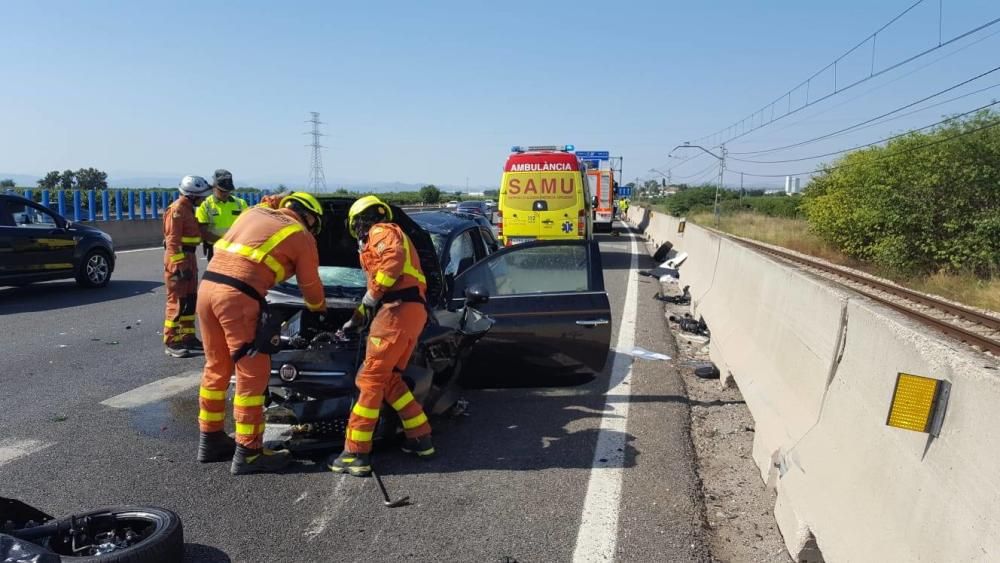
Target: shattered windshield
[{"x": 337, "y": 277}]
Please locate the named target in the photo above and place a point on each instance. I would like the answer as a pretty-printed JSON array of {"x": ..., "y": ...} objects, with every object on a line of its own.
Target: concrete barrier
[
  {"x": 132, "y": 234},
  {"x": 816, "y": 365}
]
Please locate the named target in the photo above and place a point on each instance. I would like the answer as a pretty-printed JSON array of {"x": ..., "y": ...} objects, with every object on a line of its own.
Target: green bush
[{"x": 923, "y": 203}]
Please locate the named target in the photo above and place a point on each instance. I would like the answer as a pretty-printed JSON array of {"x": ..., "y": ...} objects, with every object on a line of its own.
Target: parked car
[
  {"x": 451, "y": 204},
  {"x": 535, "y": 308},
  {"x": 37, "y": 244},
  {"x": 476, "y": 207}
]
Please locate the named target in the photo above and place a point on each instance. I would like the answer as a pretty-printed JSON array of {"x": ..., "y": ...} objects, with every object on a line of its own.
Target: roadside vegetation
[{"x": 923, "y": 210}]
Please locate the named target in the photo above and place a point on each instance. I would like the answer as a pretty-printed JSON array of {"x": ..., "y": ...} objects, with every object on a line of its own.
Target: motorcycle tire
[
  {"x": 164, "y": 544},
  {"x": 662, "y": 252}
]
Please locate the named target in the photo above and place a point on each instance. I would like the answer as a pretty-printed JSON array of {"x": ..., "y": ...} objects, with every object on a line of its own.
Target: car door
[
  {"x": 551, "y": 311},
  {"x": 41, "y": 244}
]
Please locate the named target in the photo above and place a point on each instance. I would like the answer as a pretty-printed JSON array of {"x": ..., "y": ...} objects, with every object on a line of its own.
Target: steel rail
[{"x": 960, "y": 333}]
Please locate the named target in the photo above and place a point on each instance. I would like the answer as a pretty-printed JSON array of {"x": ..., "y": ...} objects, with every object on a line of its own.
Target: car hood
[{"x": 338, "y": 248}]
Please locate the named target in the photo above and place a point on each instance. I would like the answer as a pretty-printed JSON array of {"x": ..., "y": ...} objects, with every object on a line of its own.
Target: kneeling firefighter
[
  {"x": 395, "y": 307},
  {"x": 263, "y": 247}
]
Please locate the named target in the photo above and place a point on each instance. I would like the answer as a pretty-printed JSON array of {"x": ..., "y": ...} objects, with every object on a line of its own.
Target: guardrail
[{"x": 112, "y": 204}]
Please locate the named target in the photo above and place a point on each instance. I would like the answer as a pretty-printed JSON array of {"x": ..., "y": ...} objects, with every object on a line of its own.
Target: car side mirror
[{"x": 476, "y": 295}]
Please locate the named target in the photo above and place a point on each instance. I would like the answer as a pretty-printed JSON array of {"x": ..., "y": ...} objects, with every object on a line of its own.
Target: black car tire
[
  {"x": 94, "y": 270},
  {"x": 164, "y": 544}
]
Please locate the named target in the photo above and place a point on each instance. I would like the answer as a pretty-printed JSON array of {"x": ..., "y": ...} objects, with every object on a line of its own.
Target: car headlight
[{"x": 288, "y": 372}]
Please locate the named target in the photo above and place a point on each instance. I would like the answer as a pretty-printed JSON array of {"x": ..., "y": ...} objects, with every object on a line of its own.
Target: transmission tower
[{"x": 317, "y": 180}]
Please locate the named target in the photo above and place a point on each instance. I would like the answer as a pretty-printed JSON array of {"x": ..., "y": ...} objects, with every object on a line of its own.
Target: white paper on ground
[{"x": 644, "y": 354}]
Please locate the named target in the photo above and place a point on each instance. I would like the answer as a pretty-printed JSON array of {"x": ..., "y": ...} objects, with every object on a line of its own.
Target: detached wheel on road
[
  {"x": 94, "y": 270},
  {"x": 121, "y": 534}
]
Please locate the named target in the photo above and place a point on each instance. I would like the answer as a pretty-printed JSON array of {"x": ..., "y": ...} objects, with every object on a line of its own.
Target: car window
[
  {"x": 25, "y": 215},
  {"x": 523, "y": 271},
  {"x": 492, "y": 244},
  {"x": 461, "y": 254}
]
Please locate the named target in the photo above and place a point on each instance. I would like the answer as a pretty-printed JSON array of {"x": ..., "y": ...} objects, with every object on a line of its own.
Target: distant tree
[
  {"x": 651, "y": 185},
  {"x": 282, "y": 188},
  {"x": 341, "y": 191},
  {"x": 66, "y": 180},
  {"x": 430, "y": 194},
  {"x": 7, "y": 183},
  {"x": 664, "y": 184},
  {"x": 50, "y": 181},
  {"x": 491, "y": 193},
  {"x": 91, "y": 179}
]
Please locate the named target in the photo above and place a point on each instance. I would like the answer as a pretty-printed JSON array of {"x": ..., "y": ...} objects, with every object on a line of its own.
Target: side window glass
[
  {"x": 461, "y": 255},
  {"x": 525, "y": 271},
  {"x": 492, "y": 244},
  {"x": 28, "y": 216}
]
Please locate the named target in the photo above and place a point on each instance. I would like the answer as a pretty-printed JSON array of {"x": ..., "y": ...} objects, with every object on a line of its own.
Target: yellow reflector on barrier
[{"x": 913, "y": 402}]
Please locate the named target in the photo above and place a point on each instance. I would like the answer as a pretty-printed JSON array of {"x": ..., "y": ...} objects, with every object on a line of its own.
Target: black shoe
[
  {"x": 176, "y": 350},
  {"x": 215, "y": 446},
  {"x": 259, "y": 460},
  {"x": 359, "y": 465},
  {"x": 192, "y": 343},
  {"x": 422, "y": 447}
]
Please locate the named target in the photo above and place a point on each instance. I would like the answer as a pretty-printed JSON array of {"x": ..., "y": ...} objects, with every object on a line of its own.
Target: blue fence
[{"x": 112, "y": 205}]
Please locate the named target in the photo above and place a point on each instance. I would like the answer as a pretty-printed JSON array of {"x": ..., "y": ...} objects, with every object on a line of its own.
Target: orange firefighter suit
[
  {"x": 394, "y": 277},
  {"x": 181, "y": 237},
  {"x": 262, "y": 248}
]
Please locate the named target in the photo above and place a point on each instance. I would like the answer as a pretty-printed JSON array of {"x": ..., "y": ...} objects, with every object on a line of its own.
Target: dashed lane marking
[
  {"x": 598, "y": 534},
  {"x": 138, "y": 250},
  {"x": 155, "y": 391},
  {"x": 13, "y": 448}
]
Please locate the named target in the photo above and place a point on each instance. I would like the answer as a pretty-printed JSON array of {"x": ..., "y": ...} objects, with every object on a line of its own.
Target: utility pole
[
  {"x": 317, "y": 179},
  {"x": 722, "y": 171}
]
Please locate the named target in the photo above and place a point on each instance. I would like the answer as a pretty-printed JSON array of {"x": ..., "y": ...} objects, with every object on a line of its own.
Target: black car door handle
[
  {"x": 547, "y": 222},
  {"x": 593, "y": 322}
]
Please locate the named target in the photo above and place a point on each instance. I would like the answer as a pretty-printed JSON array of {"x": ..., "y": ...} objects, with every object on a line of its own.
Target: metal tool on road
[{"x": 402, "y": 501}]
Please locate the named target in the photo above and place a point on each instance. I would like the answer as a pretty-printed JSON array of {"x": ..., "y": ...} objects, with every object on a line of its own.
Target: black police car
[{"x": 37, "y": 244}]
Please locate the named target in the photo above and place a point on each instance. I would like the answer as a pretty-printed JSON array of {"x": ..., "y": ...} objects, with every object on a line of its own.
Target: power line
[
  {"x": 741, "y": 125},
  {"x": 889, "y": 82},
  {"x": 866, "y": 122},
  {"x": 994, "y": 123},
  {"x": 866, "y": 145},
  {"x": 699, "y": 173}
]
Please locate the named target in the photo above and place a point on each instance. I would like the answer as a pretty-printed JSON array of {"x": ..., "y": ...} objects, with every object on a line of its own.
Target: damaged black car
[{"x": 534, "y": 308}]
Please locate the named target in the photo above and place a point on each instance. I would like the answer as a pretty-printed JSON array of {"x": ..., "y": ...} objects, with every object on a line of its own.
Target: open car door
[{"x": 551, "y": 311}]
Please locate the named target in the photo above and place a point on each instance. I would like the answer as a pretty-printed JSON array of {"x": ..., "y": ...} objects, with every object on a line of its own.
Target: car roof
[{"x": 442, "y": 222}]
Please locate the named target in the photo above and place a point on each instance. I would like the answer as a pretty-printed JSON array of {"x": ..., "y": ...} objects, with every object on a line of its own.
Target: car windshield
[{"x": 337, "y": 277}]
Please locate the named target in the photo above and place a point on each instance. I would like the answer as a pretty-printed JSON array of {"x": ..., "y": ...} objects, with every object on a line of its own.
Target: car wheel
[{"x": 94, "y": 270}]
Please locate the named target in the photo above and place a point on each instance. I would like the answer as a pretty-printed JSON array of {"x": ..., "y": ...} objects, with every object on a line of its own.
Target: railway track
[{"x": 966, "y": 325}]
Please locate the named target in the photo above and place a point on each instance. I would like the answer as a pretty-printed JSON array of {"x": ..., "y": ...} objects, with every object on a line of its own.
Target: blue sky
[{"x": 439, "y": 91}]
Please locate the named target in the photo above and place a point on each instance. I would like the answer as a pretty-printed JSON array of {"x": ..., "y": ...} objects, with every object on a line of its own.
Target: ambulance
[{"x": 544, "y": 194}]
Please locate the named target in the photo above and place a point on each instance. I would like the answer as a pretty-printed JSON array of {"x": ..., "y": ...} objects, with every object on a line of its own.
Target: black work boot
[
  {"x": 215, "y": 446},
  {"x": 359, "y": 465},
  {"x": 192, "y": 343},
  {"x": 258, "y": 460},
  {"x": 422, "y": 447},
  {"x": 176, "y": 350}
]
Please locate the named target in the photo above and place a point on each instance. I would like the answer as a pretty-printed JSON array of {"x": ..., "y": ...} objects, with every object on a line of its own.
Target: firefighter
[
  {"x": 263, "y": 247},
  {"x": 219, "y": 211},
  {"x": 181, "y": 238},
  {"x": 394, "y": 305}
]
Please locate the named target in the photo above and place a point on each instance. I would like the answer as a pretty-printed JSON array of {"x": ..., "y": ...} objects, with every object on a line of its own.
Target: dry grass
[{"x": 794, "y": 234}]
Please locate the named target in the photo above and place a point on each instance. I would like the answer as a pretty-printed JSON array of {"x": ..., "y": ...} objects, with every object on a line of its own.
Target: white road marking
[
  {"x": 13, "y": 448},
  {"x": 138, "y": 250},
  {"x": 155, "y": 391},
  {"x": 598, "y": 534}
]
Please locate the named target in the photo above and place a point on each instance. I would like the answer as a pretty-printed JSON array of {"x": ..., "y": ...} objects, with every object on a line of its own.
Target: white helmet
[{"x": 194, "y": 186}]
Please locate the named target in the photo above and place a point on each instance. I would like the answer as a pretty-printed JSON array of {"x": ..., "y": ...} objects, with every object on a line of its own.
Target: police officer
[{"x": 219, "y": 211}]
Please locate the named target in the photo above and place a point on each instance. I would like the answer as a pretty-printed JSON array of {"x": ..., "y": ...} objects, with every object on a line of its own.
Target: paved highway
[{"x": 592, "y": 472}]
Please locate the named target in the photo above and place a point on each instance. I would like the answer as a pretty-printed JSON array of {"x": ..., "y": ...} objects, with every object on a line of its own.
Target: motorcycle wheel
[{"x": 160, "y": 530}]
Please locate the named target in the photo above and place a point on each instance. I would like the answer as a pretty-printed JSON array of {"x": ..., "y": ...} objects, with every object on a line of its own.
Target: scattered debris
[
  {"x": 128, "y": 327},
  {"x": 688, "y": 324},
  {"x": 682, "y": 299},
  {"x": 707, "y": 372},
  {"x": 660, "y": 272},
  {"x": 644, "y": 354},
  {"x": 111, "y": 343},
  {"x": 59, "y": 418},
  {"x": 64, "y": 346}
]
